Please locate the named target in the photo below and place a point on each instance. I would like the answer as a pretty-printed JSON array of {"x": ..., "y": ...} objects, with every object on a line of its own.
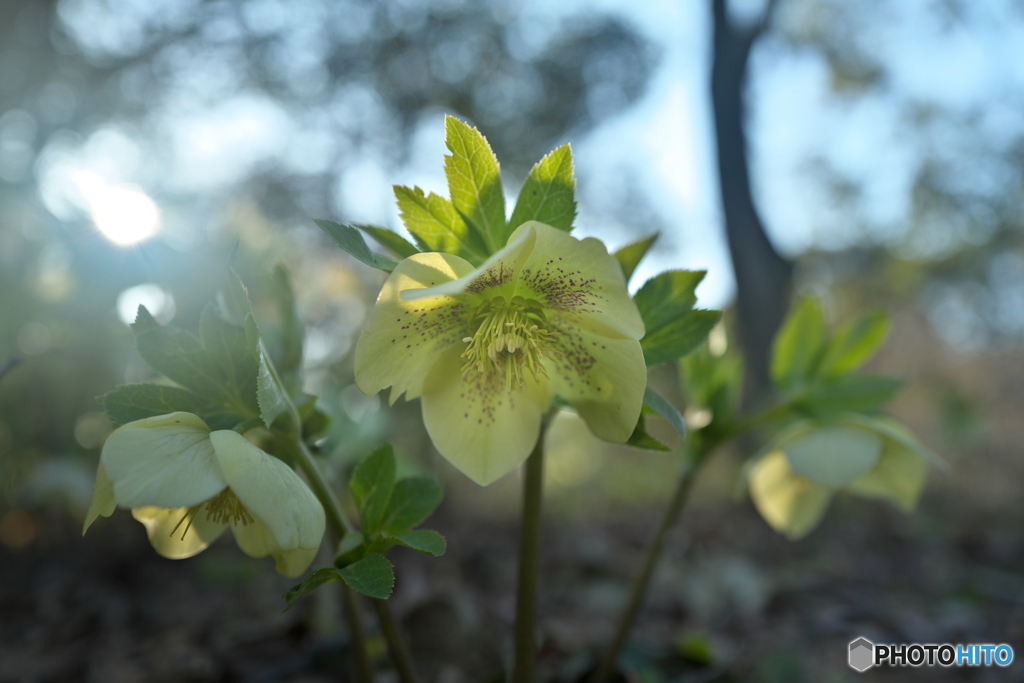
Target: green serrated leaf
[
  {"x": 130, "y": 402},
  {"x": 850, "y": 393},
  {"x": 373, "y": 576},
  {"x": 799, "y": 344},
  {"x": 667, "y": 296},
  {"x": 372, "y": 483},
  {"x": 641, "y": 439},
  {"x": 288, "y": 350},
  {"x": 437, "y": 226},
  {"x": 425, "y": 541},
  {"x": 854, "y": 344},
  {"x": 549, "y": 193},
  {"x": 662, "y": 406},
  {"x": 271, "y": 397},
  {"x": 252, "y": 335},
  {"x": 412, "y": 501},
  {"x": 351, "y": 240},
  {"x": 144, "y": 321},
  {"x": 474, "y": 182},
  {"x": 236, "y": 302},
  {"x": 228, "y": 348},
  {"x": 629, "y": 256},
  {"x": 179, "y": 355},
  {"x": 390, "y": 240},
  {"x": 312, "y": 582},
  {"x": 679, "y": 337}
]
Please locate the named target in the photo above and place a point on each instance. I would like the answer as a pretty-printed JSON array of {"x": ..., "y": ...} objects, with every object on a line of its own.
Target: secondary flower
[
  {"x": 488, "y": 349},
  {"x": 187, "y": 484},
  {"x": 792, "y": 484}
]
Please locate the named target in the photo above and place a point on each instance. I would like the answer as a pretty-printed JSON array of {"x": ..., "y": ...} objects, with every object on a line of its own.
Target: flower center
[
  {"x": 224, "y": 508},
  {"x": 510, "y": 339}
]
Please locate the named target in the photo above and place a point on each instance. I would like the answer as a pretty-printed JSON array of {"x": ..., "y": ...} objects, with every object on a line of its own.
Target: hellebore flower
[
  {"x": 187, "y": 484},
  {"x": 488, "y": 349},
  {"x": 792, "y": 484}
]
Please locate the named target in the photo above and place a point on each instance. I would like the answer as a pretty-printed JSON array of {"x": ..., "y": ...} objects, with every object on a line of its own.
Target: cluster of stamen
[
  {"x": 224, "y": 508},
  {"x": 509, "y": 339}
]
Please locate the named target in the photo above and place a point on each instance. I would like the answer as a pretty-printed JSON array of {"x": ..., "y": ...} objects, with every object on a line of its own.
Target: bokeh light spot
[
  {"x": 157, "y": 300},
  {"x": 17, "y": 528},
  {"x": 92, "y": 429},
  {"x": 124, "y": 214}
]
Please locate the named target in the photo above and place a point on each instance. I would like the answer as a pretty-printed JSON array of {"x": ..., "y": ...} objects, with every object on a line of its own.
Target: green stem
[
  {"x": 332, "y": 506},
  {"x": 529, "y": 556},
  {"x": 364, "y": 669},
  {"x": 698, "y": 454},
  {"x": 606, "y": 665},
  {"x": 340, "y": 526},
  {"x": 396, "y": 643}
]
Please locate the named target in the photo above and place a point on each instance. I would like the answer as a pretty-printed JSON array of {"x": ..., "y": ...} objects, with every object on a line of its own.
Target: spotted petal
[
  {"x": 288, "y": 516},
  {"x": 580, "y": 280},
  {"x": 603, "y": 378},
  {"x": 497, "y": 276},
  {"x": 173, "y": 536},
  {"x": 164, "y": 461},
  {"x": 485, "y": 432},
  {"x": 402, "y": 339}
]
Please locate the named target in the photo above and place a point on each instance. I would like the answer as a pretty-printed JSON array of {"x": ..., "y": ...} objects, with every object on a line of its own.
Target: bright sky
[{"x": 663, "y": 145}]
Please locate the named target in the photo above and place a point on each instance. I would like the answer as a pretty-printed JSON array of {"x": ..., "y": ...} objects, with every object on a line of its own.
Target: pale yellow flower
[
  {"x": 187, "y": 484},
  {"x": 792, "y": 483},
  {"x": 487, "y": 349}
]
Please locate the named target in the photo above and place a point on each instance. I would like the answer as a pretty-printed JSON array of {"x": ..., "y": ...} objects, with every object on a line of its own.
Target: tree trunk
[{"x": 763, "y": 278}]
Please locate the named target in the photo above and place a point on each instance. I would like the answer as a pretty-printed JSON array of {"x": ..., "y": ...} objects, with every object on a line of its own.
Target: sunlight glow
[
  {"x": 157, "y": 300},
  {"x": 123, "y": 213}
]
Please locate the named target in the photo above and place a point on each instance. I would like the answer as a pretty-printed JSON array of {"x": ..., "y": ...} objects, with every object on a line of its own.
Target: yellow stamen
[
  {"x": 508, "y": 338},
  {"x": 224, "y": 508}
]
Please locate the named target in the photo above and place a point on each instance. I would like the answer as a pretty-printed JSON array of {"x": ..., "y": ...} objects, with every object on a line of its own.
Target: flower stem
[
  {"x": 529, "y": 555},
  {"x": 396, "y": 643},
  {"x": 364, "y": 669},
  {"x": 606, "y": 665},
  {"x": 340, "y": 526}
]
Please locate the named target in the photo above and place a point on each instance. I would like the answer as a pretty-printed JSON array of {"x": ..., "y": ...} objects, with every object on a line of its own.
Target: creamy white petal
[
  {"x": 485, "y": 432},
  {"x": 603, "y": 378},
  {"x": 403, "y": 337},
  {"x": 834, "y": 456},
  {"x": 271, "y": 491},
  {"x": 256, "y": 540},
  {"x": 103, "y": 502},
  {"x": 164, "y": 461},
  {"x": 791, "y": 504},
  {"x": 173, "y": 536}
]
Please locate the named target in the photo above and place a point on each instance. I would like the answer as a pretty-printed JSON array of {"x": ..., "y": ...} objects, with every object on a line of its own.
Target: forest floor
[{"x": 733, "y": 601}]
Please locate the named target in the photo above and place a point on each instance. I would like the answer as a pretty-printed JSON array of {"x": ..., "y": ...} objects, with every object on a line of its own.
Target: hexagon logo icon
[{"x": 862, "y": 654}]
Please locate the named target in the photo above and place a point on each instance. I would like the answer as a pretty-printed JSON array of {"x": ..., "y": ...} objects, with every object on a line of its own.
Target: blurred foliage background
[{"x": 142, "y": 143}]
